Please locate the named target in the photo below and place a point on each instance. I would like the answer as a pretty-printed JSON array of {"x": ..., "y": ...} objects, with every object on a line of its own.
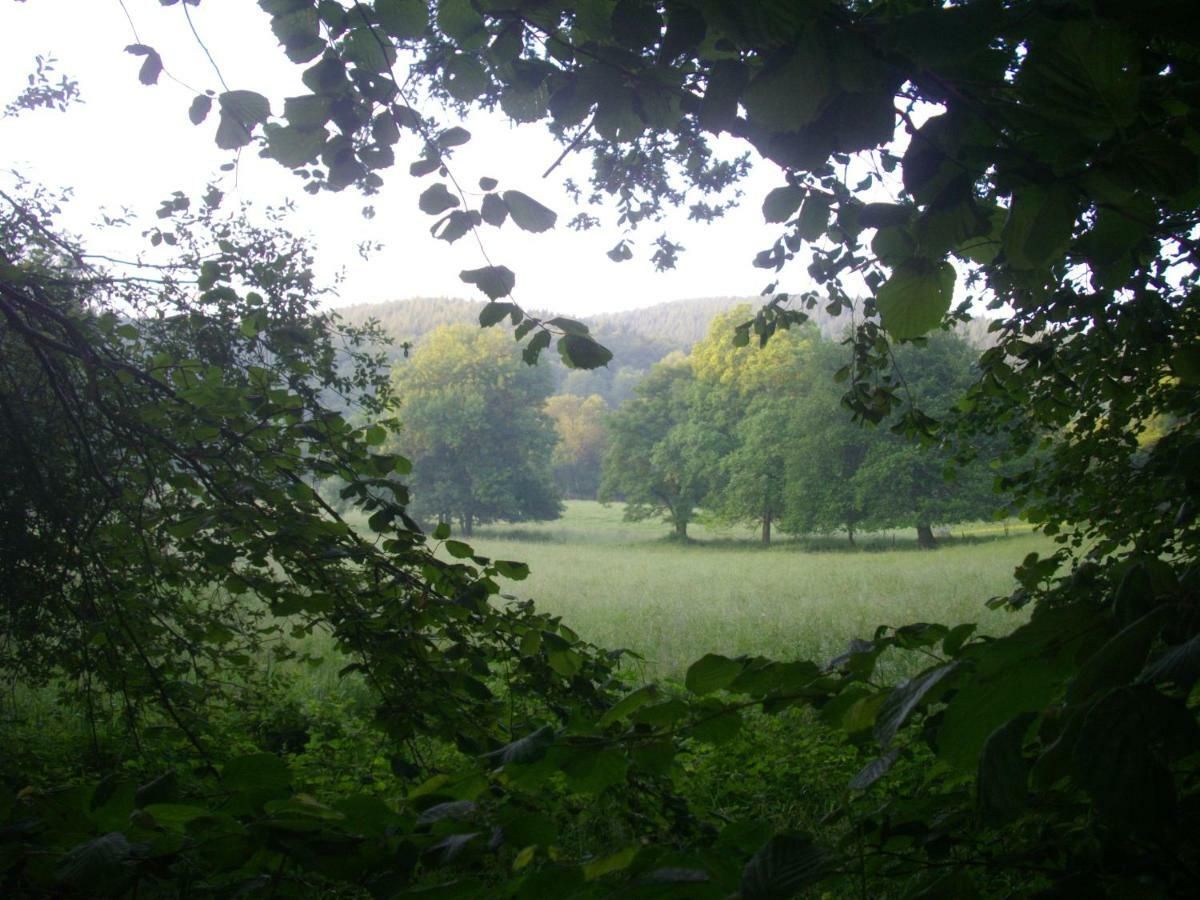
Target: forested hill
[
  {"x": 638, "y": 338},
  {"x": 673, "y": 325}
]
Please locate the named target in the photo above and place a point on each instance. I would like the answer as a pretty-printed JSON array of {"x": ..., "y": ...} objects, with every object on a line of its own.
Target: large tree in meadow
[
  {"x": 747, "y": 390},
  {"x": 662, "y": 458},
  {"x": 902, "y": 483},
  {"x": 825, "y": 452},
  {"x": 474, "y": 429}
]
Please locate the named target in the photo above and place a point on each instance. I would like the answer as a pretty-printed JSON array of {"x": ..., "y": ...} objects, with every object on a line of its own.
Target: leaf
[
  {"x": 581, "y": 352},
  {"x": 465, "y": 78},
  {"x": 567, "y": 326},
  {"x": 494, "y": 281},
  {"x": 528, "y": 214},
  {"x": 884, "y": 215},
  {"x": 792, "y": 89},
  {"x": 593, "y": 770},
  {"x": 620, "y": 253},
  {"x": 462, "y": 23},
  {"x": 493, "y": 210},
  {"x": 711, "y": 673},
  {"x": 536, "y": 345},
  {"x": 786, "y": 864},
  {"x": 424, "y": 167},
  {"x": 873, "y": 771},
  {"x": 726, "y": 81},
  {"x": 198, "y": 111},
  {"x": 458, "y": 549},
  {"x": 1179, "y": 665},
  {"x": 566, "y": 663},
  {"x": 453, "y": 137},
  {"x": 162, "y": 789},
  {"x": 293, "y": 146},
  {"x": 629, "y": 704},
  {"x": 1115, "y": 765},
  {"x": 403, "y": 19},
  {"x": 453, "y": 809},
  {"x": 240, "y": 113},
  {"x": 152, "y": 66},
  {"x": 616, "y": 862},
  {"x": 1185, "y": 363},
  {"x": 525, "y": 750},
  {"x": 905, "y": 698},
  {"x": 781, "y": 203},
  {"x": 517, "y": 571},
  {"x": 97, "y": 865},
  {"x": 914, "y": 299},
  {"x": 814, "y": 217},
  {"x": 257, "y": 771},
  {"x": 1039, "y": 225},
  {"x": 1002, "y": 782},
  {"x": 1119, "y": 660},
  {"x": 437, "y": 199}
]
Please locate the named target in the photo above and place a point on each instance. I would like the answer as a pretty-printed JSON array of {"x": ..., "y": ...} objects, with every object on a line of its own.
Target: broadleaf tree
[{"x": 474, "y": 429}]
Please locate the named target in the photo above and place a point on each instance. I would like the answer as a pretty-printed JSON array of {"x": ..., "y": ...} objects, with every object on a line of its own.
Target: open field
[{"x": 622, "y": 584}]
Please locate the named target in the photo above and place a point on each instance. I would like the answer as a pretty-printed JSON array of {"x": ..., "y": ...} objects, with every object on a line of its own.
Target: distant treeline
[
  {"x": 746, "y": 434},
  {"x": 638, "y": 338}
]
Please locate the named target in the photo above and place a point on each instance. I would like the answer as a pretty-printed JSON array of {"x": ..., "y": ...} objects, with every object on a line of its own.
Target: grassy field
[{"x": 623, "y": 584}]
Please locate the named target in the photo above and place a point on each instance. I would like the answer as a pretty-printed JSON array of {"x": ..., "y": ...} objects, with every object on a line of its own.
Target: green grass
[{"x": 622, "y": 584}]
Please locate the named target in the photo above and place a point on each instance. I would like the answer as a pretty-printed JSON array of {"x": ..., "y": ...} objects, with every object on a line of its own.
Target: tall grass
[{"x": 623, "y": 584}]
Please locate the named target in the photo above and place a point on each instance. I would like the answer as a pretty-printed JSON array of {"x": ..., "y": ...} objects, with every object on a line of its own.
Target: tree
[
  {"x": 748, "y": 391},
  {"x": 825, "y": 452},
  {"x": 661, "y": 458},
  {"x": 903, "y": 483},
  {"x": 475, "y": 431},
  {"x": 582, "y": 441}
]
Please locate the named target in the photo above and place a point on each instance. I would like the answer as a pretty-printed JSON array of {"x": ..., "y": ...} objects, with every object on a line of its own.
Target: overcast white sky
[{"x": 130, "y": 146}]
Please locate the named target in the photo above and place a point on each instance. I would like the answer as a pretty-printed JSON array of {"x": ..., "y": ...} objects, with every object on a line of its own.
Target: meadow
[{"x": 623, "y": 584}]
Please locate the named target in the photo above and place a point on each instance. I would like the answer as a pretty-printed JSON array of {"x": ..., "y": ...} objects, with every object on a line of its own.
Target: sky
[{"x": 129, "y": 146}]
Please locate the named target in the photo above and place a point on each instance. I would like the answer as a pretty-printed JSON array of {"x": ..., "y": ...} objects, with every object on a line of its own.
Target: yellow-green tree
[
  {"x": 582, "y": 440},
  {"x": 475, "y": 430},
  {"x": 749, "y": 391}
]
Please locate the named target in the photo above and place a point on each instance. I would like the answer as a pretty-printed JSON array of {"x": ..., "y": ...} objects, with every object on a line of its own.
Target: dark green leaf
[
  {"x": 437, "y": 199},
  {"x": 787, "y": 864},
  {"x": 403, "y": 19},
  {"x": 528, "y": 213},
  {"x": 907, "y": 697},
  {"x": 711, "y": 673},
  {"x": 581, "y": 352},
  {"x": 914, "y": 299},
  {"x": 494, "y": 281},
  {"x": 1003, "y": 778},
  {"x": 781, "y": 203}
]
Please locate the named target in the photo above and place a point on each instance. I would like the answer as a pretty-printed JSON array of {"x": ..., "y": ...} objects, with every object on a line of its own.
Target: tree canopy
[{"x": 474, "y": 429}]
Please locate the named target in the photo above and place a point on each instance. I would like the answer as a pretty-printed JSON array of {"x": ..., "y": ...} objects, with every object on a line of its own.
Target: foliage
[
  {"x": 661, "y": 458},
  {"x": 474, "y": 430},
  {"x": 1048, "y": 161},
  {"x": 582, "y": 440}
]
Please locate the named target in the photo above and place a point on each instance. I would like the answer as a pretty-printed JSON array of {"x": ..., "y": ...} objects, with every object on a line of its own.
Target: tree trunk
[
  {"x": 681, "y": 529},
  {"x": 468, "y": 521},
  {"x": 925, "y": 538},
  {"x": 850, "y": 534},
  {"x": 766, "y": 529}
]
